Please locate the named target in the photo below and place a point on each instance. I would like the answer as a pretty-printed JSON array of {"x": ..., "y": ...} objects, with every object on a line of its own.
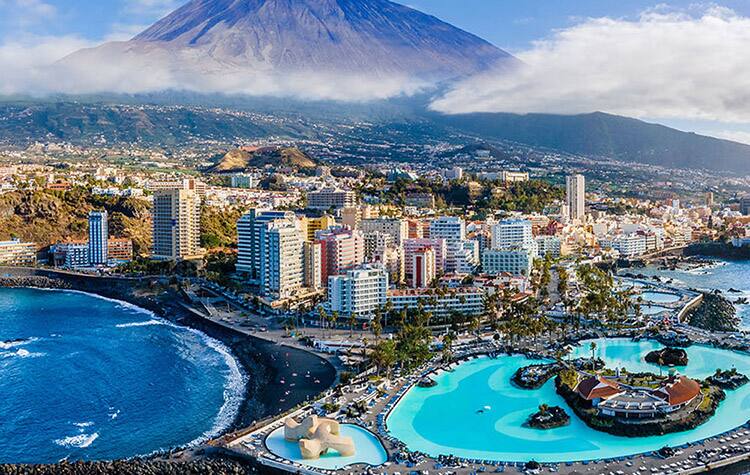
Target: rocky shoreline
[
  {"x": 204, "y": 466},
  {"x": 267, "y": 365}
]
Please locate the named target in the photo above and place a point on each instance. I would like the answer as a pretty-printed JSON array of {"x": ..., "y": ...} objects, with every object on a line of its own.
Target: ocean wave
[
  {"x": 141, "y": 324},
  {"x": 83, "y": 424},
  {"x": 8, "y": 344},
  {"x": 234, "y": 390},
  {"x": 80, "y": 441},
  {"x": 21, "y": 353}
]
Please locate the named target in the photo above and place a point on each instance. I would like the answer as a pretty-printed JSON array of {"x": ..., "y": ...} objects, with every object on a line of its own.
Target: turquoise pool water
[
  {"x": 445, "y": 419},
  {"x": 660, "y": 297},
  {"x": 369, "y": 449},
  {"x": 652, "y": 309}
]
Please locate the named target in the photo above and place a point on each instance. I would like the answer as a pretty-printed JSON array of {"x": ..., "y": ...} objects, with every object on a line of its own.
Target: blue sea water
[
  {"x": 723, "y": 276},
  {"x": 476, "y": 412},
  {"x": 88, "y": 378}
]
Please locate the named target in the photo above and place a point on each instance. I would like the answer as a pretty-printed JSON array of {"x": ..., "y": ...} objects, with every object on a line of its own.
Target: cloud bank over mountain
[
  {"x": 349, "y": 50},
  {"x": 665, "y": 64}
]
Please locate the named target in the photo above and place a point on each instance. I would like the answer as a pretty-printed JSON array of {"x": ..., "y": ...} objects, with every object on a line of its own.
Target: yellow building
[{"x": 311, "y": 225}]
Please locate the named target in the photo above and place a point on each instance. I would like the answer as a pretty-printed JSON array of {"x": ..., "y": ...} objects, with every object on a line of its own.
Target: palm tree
[
  {"x": 592, "y": 347},
  {"x": 352, "y": 322},
  {"x": 543, "y": 408}
]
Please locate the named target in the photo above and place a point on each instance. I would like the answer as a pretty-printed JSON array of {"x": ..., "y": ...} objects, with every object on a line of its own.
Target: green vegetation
[
  {"x": 47, "y": 217},
  {"x": 219, "y": 227},
  {"x": 482, "y": 196}
]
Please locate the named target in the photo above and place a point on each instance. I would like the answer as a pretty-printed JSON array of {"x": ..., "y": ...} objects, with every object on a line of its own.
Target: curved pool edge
[{"x": 407, "y": 388}]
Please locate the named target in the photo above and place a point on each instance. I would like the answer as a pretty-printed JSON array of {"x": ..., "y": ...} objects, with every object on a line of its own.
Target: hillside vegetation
[{"x": 47, "y": 217}]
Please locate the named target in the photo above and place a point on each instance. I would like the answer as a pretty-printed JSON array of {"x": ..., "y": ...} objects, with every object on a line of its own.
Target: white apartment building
[
  {"x": 628, "y": 245},
  {"x": 176, "y": 224},
  {"x": 464, "y": 300},
  {"x": 549, "y": 246},
  {"x": 243, "y": 180},
  {"x": 358, "y": 292},
  {"x": 331, "y": 198},
  {"x": 98, "y": 238},
  {"x": 515, "y": 261},
  {"x": 375, "y": 243},
  {"x": 462, "y": 257},
  {"x": 397, "y": 228},
  {"x": 71, "y": 254},
  {"x": 512, "y": 233},
  {"x": 248, "y": 239},
  {"x": 282, "y": 270},
  {"x": 575, "y": 187},
  {"x": 17, "y": 253},
  {"x": 450, "y": 228}
]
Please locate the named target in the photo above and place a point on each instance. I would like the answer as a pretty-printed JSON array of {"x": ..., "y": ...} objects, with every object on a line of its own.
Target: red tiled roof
[
  {"x": 679, "y": 390},
  {"x": 597, "y": 387}
]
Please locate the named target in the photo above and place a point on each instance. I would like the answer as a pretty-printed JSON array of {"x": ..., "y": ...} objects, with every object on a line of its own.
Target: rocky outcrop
[
  {"x": 668, "y": 357},
  {"x": 549, "y": 418},
  {"x": 728, "y": 379}
]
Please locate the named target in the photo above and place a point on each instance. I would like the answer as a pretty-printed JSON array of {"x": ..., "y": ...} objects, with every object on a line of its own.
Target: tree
[
  {"x": 384, "y": 356},
  {"x": 352, "y": 322},
  {"x": 543, "y": 408},
  {"x": 592, "y": 347}
]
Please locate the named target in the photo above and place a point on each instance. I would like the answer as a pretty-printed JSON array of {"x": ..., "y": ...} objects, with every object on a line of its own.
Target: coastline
[{"x": 265, "y": 366}]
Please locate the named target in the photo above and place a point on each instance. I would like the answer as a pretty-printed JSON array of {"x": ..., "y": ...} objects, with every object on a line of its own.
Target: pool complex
[
  {"x": 660, "y": 297},
  {"x": 448, "y": 418},
  {"x": 369, "y": 449},
  {"x": 649, "y": 310}
]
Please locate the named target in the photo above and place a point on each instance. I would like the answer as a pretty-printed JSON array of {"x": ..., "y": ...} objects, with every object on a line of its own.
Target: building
[
  {"x": 468, "y": 301},
  {"x": 709, "y": 199},
  {"x": 549, "y": 246},
  {"x": 243, "y": 180},
  {"x": 420, "y": 200},
  {"x": 17, "y": 253},
  {"x": 516, "y": 261},
  {"x": 331, "y": 198},
  {"x": 119, "y": 249},
  {"x": 375, "y": 243},
  {"x": 310, "y": 226},
  {"x": 98, "y": 238},
  {"x": 185, "y": 184},
  {"x": 248, "y": 239},
  {"x": 617, "y": 401},
  {"x": 628, "y": 245},
  {"x": 575, "y": 192},
  {"x": 397, "y": 228},
  {"x": 176, "y": 224},
  {"x": 455, "y": 173},
  {"x": 282, "y": 259},
  {"x": 352, "y": 217},
  {"x": 512, "y": 233},
  {"x": 462, "y": 257},
  {"x": 70, "y": 254},
  {"x": 313, "y": 266},
  {"x": 340, "y": 249},
  {"x": 438, "y": 246},
  {"x": 745, "y": 205},
  {"x": 358, "y": 292},
  {"x": 450, "y": 228},
  {"x": 422, "y": 267}
]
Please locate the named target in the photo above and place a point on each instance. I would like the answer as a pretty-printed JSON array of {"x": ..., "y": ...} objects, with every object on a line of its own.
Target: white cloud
[
  {"x": 39, "y": 66},
  {"x": 663, "y": 65},
  {"x": 151, "y": 7},
  {"x": 23, "y": 13}
]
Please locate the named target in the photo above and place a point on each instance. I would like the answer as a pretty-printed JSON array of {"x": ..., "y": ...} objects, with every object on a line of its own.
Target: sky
[{"x": 681, "y": 63}]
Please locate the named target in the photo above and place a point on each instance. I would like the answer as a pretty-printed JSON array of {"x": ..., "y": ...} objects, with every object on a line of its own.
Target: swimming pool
[
  {"x": 369, "y": 449},
  {"x": 660, "y": 297},
  {"x": 649, "y": 310},
  {"x": 446, "y": 419}
]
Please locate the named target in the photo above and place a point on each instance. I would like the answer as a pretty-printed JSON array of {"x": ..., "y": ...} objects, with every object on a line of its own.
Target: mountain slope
[
  {"x": 609, "y": 136},
  {"x": 348, "y": 50},
  {"x": 336, "y": 35}
]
